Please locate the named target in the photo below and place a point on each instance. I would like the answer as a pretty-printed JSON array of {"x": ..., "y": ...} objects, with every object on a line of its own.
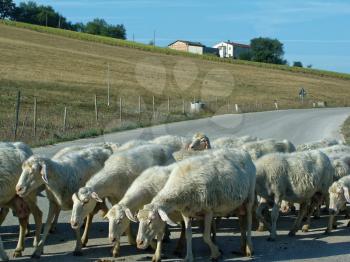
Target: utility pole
[
  {"x": 46, "y": 19},
  {"x": 59, "y": 21},
  {"x": 133, "y": 37},
  {"x": 154, "y": 38}
]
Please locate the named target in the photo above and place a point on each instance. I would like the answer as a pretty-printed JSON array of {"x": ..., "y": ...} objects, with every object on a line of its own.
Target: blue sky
[{"x": 313, "y": 31}]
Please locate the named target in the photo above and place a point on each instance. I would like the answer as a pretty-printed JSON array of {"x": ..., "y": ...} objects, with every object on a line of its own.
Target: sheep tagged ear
[
  {"x": 95, "y": 196},
  {"x": 43, "y": 172},
  {"x": 346, "y": 194},
  {"x": 130, "y": 215},
  {"x": 165, "y": 218}
]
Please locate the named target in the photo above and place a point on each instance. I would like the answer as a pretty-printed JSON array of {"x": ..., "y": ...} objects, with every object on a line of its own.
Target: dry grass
[{"x": 61, "y": 72}]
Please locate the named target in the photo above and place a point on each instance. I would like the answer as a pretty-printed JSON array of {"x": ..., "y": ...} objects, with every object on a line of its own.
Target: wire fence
[{"x": 35, "y": 121}]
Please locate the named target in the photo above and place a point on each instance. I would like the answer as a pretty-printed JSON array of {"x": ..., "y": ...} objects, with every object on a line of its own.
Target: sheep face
[
  {"x": 34, "y": 174},
  {"x": 84, "y": 203},
  {"x": 150, "y": 226},
  {"x": 199, "y": 142},
  {"x": 118, "y": 222},
  {"x": 338, "y": 196}
]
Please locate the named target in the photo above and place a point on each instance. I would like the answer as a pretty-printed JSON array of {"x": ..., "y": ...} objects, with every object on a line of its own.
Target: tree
[
  {"x": 309, "y": 66},
  {"x": 267, "y": 50},
  {"x": 297, "y": 64},
  {"x": 246, "y": 56},
  {"x": 117, "y": 31},
  {"x": 7, "y": 8}
]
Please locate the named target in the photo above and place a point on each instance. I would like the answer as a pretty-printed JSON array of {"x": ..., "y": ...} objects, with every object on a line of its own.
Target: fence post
[
  {"x": 168, "y": 105},
  {"x": 34, "y": 118},
  {"x": 153, "y": 108},
  {"x": 120, "y": 109},
  {"x": 276, "y": 105},
  {"x": 96, "y": 110},
  {"x": 108, "y": 86},
  {"x": 17, "y": 114},
  {"x": 228, "y": 106},
  {"x": 139, "y": 106},
  {"x": 237, "y": 108},
  {"x": 183, "y": 106},
  {"x": 216, "y": 101},
  {"x": 65, "y": 119}
]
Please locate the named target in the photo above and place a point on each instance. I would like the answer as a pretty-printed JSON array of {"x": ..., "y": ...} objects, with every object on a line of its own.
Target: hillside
[{"x": 61, "y": 71}]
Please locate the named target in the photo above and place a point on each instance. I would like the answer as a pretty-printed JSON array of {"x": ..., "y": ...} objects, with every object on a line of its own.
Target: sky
[{"x": 315, "y": 32}]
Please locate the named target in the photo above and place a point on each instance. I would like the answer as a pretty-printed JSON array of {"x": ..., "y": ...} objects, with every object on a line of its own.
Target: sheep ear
[
  {"x": 346, "y": 194},
  {"x": 44, "y": 172},
  {"x": 165, "y": 218},
  {"x": 130, "y": 215},
  {"x": 95, "y": 196}
]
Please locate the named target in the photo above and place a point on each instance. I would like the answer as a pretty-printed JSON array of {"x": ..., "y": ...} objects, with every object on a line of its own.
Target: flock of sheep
[{"x": 173, "y": 180}]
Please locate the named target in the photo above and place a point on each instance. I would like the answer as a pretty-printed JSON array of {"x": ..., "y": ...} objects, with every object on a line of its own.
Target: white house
[{"x": 231, "y": 49}]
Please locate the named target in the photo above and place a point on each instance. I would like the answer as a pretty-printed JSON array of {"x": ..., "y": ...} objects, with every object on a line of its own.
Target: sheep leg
[
  {"x": 116, "y": 248},
  {"x": 3, "y": 213},
  {"x": 330, "y": 224},
  {"x": 262, "y": 220},
  {"x": 208, "y": 221},
  {"x": 78, "y": 245},
  {"x": 3, "y": 254},
  {"x": 312, "y": 207},
  {"x": 242, "y": 228},
  {"x": 85, "y": 237},
  {"x": 188, "y": 226},
  {"x": 131, "y": 237},
  {"x": 54, "y": 223},
  {"x": 249, "y": 217},
  {"x": 158, "y": 253},
  {"x": 38, "y": 215},
  {"x": 274, "y": 217},
  {"x": 297, "y": 222},
  {"x": 53, "y": 208},
  {"x": 23, "y": 223},
  {"x": 182, "y": 240}
]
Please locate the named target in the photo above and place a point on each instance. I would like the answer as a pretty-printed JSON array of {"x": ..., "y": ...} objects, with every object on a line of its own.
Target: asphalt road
[{"x": 299, "y": 126}]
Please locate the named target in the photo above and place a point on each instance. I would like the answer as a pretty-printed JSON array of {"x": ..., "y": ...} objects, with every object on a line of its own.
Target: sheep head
[
  {"x": 338, "y": 196},
  {"x": 199, "y": 142},
  {"x": 152, "y": 224},
  {"x": 34, "y": 174},
  {"x": 84, "y": 202},
  {"x": 118, "y": 222}
]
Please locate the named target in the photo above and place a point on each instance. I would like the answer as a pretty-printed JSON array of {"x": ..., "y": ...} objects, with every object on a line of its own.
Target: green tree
[
  {"x": 246, "y": 56},
  {"x": 7, "y": 8},
  {"x": 97, "y": 27},
  {"x": 267, "y": 50},
  {"x": 117, "y": 31},
  {"x": 297, "y": 64}
]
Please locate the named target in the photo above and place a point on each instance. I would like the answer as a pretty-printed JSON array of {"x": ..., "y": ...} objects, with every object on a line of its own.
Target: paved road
[{"x": 299, "y": 126}]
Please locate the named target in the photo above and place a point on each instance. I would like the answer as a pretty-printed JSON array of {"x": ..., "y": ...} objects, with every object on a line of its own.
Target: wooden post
[
  {"x": 183, "y": 106},
  {"x": 139, "y": 105},
  {"x": 17, "y": 114},
  {"x": 34, "y": 118},
  {"x": 168, "y": 105},
  {"x": 153, "y": 107},
  {"x": 108, "y": 86},
  {"x": 65, "y": 119},
  {"x": 216, "y": 100},
  {"x": 96, "y": 110},
  {"x": 120, "y": 109},
  {"x": 228, "y": 106},
  {"x": 237, "y": 108},
  {"x": 276, "y": 105}
]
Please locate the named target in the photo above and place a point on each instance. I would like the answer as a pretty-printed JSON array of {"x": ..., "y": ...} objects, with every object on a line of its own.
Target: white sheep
[
  {"x": 120, "y": 170},
  {"x": 62, "y": 177},
  {"x": 176, "y": 142},
  {"x": 12, "y": 155},
  {"x": 199, "y": 142},
  {"x": 133, "y": 143},
  {"x": 318, "y": 144},
  {"x": 260, "y": 148},
  {"x": 204, "y": 187},
  {"x": 232, "y": 141},
  {"x": 112, "y": 146},
  {"x": 300, "y": 177},
  {"x": 338, "y": 197},
  {"x": 141, "y": 192}
]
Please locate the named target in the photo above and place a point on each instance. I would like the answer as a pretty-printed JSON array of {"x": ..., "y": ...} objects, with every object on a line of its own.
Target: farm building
[
  {"x": 187, "y": 46},
  {"x": 231, "y": 49}
]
